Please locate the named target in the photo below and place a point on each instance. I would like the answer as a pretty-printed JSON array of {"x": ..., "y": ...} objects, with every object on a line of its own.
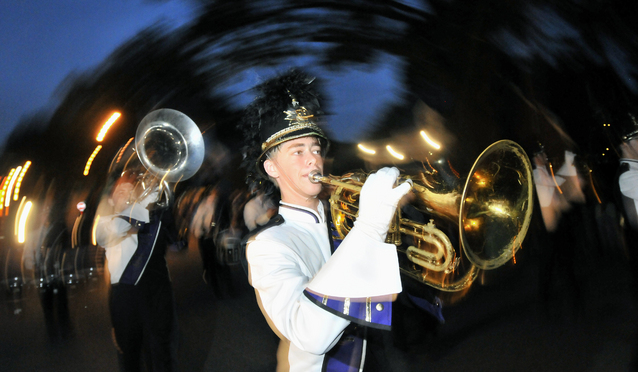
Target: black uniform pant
[{"x": 144, "y": 325}]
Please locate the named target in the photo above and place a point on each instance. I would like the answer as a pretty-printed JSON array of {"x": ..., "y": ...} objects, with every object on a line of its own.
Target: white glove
[
  {"x": 378, "y": 202},
  {"x": 150, "y": 198},
  {"x": 139, "y": 209}
]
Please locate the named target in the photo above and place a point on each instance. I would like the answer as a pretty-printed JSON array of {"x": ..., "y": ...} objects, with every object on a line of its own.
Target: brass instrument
[
  {"x": 171, "y": 148},
  {"x": 492, "y": 209}
]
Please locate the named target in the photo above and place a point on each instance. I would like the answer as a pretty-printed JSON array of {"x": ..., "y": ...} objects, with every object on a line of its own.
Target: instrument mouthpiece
[{"x": 315, "y": 177}]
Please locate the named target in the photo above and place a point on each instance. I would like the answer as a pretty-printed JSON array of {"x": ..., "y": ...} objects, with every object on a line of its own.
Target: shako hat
[
  {"x": 628, "y": 126},
  {"x": 286, "y": 108}
]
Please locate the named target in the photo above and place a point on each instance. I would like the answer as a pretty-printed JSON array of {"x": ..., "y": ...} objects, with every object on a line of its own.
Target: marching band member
[
  {"x": 317, "y": 295},
  {"x": 628, "y": 172},
  {"x": 627, "y": 192},
  {"x": 627, "y": 199},
  {"x": 135, "y": 237}
]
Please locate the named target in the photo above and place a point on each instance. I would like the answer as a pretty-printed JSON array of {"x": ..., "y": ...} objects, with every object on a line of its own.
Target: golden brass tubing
[
  {"x": 318, "y": 178},
  {"x": 460, "y": 284}
]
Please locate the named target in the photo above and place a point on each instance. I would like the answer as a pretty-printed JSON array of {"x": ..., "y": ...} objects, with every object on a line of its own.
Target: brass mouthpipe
[
  {"x": 317, "y": 177},
  {"x": 446, "y": 204}
]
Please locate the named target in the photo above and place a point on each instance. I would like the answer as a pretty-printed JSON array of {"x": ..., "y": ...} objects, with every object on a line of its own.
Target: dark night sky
[{"x": 42, "y": 42}]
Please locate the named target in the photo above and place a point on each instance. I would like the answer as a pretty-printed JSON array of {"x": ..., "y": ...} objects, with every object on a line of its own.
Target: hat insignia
[{"x": 298, "y": 115}]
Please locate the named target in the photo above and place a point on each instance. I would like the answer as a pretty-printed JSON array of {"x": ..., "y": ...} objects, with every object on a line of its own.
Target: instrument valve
[{"x": 453, "y": 265}]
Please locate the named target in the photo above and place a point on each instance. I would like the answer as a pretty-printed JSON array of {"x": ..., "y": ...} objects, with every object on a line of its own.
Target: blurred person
[
  {"x": 560, "y": 196},
  {"x": 259, "y": 210},
  {"x": 218, "y": 235},
  {"x": 201, "y": 225},
  {"x": 628, "y": 174},
  {"x": 203, "y": 202},
  {"x": 47, "y": 244},
  {"x": 230, "y": 237},
  {"x": 187, "y": 221},
  {"x": 627, "y": 198},
  {"x": 33, "y": 247},
  {"x": 627, "y": 191},
  {"x": 547, "y": 190},
  {"x": 135, "y": 236},
  {"x": 318, "y": 295}
]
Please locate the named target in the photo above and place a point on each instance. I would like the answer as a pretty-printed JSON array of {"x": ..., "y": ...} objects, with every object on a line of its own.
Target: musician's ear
[{"x": 271, "y": 169}]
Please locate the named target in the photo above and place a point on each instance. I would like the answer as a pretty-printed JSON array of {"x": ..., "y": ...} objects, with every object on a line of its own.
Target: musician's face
[
  {"x": 290, "y": 167},
  {"x": 630, "y": 149},
  {"x": 540, "y": 160},
  {"x": 121, "y": 196}
]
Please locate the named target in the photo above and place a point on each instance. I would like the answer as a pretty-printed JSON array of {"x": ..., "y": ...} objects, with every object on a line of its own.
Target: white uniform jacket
[
  {"x": 116, "y": 234},
  {"x": 295, "y": 275},
  {"x": 545, "y": 186},
  {"x": 628, "y": 183}
]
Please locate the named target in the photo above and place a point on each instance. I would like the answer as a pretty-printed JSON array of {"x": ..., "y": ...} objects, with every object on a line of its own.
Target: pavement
[{"x": 499, "y": 325}]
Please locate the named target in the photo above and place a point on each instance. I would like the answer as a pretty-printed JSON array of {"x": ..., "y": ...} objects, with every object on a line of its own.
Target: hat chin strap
[{"x": 295, "y": 188}]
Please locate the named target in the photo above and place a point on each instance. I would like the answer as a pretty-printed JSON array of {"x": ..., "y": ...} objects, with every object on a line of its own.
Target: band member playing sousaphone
[
  {"x": 318, "y": 295},
  {"x": 135, "y": 237},
  {"x": 136, "y": 227}
]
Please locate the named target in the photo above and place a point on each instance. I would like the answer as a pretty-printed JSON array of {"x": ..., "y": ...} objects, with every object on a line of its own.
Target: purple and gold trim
[{"x": 367, "y": 312}]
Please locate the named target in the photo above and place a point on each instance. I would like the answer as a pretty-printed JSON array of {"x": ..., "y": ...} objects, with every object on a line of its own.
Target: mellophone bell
[{"x": 490, "y": 210}]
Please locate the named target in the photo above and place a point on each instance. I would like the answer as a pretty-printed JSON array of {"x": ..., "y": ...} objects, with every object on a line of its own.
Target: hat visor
[{"x": 304, "y": 132}]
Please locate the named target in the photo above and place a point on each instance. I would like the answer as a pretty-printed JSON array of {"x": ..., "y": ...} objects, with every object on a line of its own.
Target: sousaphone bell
[{"x": 170, "y": 147}]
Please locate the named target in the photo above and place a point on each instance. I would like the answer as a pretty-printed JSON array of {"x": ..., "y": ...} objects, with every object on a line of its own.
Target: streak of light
[
  {"x": 5, "y": 184},
  {"x": 20, "y": 177},
  {"x": 94, "y": 229},
  {"x": 591, "y": 181},
  {"x": 7, "y": 200},
  {"x": 554, "y": 178},
  {"x": 366, "y": 150},
  {"x": 87, "y": 167},
  {"x": 17, "y": 221},
  {"x": 107, "y": 125},
  {"x": 394, "y": 153},
  {"x": 121, "y": 152},
  {"x": 430, "y": 141},
  {"x": 23, "y": 222}
]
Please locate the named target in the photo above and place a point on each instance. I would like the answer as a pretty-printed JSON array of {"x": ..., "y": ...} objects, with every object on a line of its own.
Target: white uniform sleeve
[
  {"x": 628, "y": 182},
  {"x": 279, "y": 281},
  {"x": 545, "y": 187},
  {"x": 361, "y": 267},
  {"x": 110, "y": 230},
  {"x": 364, "y": 265}
]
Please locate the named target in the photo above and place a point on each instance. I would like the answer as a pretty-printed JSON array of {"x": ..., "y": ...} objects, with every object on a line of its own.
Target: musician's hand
[
  {"x": 150, "y": 198},
  {"x": 378, "y": 202}
]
